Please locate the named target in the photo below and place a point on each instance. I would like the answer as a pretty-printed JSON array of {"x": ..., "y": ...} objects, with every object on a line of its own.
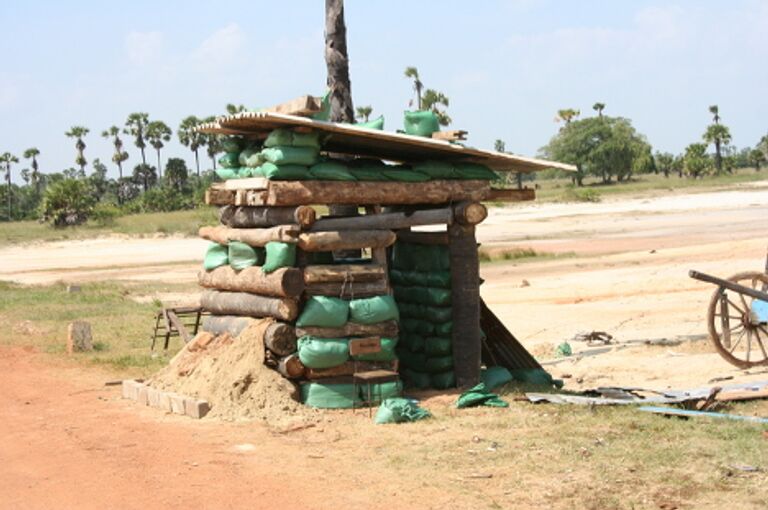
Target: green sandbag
[
  {"x": 324, "y": 312},
  {"x": 443, "y": 381},
  {"x": 404, "y": 175},
  {"x": 387, "y": 352},
  {"x": 377, "y": 123},
  {"x": 227, "y": 173},
  {"x": 444, "y": 329},
  {"x": 439, "y": 279},
  {"x": 257, "y": 171},
  {"x": 372, "y": 310},
  {"x": 329, "y": 396},
  {"x": 413, "y": 341},
  {"x": 397, "y": 277},
  {"x": 495, "y": 376},
  {"x": 279, "y": 255},
  {"x": 323, "y": 352},
  {"x": 475, "y": 171},
  {"x": 423, "y": 295},
  {"x": 367, "y": 174},
  {"x": 415, "y": 379},
  {"x": 242, "y": 255},
  {"x": 437, "y": 315},
  {"x": 535, "y": 376},
  {"x": 421, "y": 123},
  {"x": 441, "y": 364},
  {"x": 230, "y": 160},
  {"x": 401, "y": 256},
  {"x": 286, "y": 155},
  {"x": 288, "y": 138},
  {"x": 216, "y": 255},
  {"x": 250, "y": 158},
  {"x": 331, "y": 171},
  {"x": 479, "y": 396},
  {"x": 434, "y": 278},
  {"x": 428, "y": 258},
  {"x": 410, "y": 310},
  {"x": 435, "y": 346},
  {"x": 381, "y": 391},
  {"x": 285, "y": 172},
  {"x": 436, "y": 169},
  {"x": 413, "y": 360},
  {"x": 231, "y": 143},
  {"x": 400, "y": 410},
  {"x": 418, "y": 326}
]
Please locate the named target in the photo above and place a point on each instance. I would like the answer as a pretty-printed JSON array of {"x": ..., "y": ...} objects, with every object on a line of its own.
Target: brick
[
  {"x": 196, "y": 408},
  {"x": 142, "y": 395},
  {"x": 131, "y": 389},
  {"x": 177, "y": 403}
]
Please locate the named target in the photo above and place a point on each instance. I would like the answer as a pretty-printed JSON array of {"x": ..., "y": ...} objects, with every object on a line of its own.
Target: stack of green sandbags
[
  {"x": 421, "y": 278},
  {"x": 241, "y": 158},
  {"x": 287, "y": 155}
]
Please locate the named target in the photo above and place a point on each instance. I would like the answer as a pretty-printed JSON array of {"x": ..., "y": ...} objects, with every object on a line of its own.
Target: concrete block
[
  {"x": 79, "y": 337},
  {"x": 196, "y": 408},
  {"x": 153, "y": 397},
  {"x": 164, "y": 401},
  {"x": 131, "y": 389},
  {"x": 177, "y": 403},
  {"x": 142, "y": 395}
]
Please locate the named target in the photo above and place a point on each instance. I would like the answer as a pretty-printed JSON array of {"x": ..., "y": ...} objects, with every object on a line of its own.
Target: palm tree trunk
[
  {"x": 143, "y": 157},
  {"x": 120, "y": 169},
  {"x": 159, "y": 168},
  {"x": 8, "y": 179},
  {"x": 418, "y": 96},
  {"x": 337, "y": 63},
  {"x": 718, "y": 156},
  {"x": 197, "y": 163}
]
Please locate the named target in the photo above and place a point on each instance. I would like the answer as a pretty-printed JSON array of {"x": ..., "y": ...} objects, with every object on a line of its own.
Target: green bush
[
  {"x": 572, "y": 194},
  {"x": 67, "y": 202},
  {"x": 159, "y": 199},
  {"x": 104, "y": 214}
]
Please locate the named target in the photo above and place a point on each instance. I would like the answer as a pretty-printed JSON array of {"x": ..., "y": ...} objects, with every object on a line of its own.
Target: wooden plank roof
[{"x": 354, "y": 140}]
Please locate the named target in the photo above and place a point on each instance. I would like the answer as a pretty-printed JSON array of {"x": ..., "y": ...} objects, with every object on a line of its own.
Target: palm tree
[
  {"x": 8, "y": 159},
  {"x": 235, "y": 108},
  {"x": 78, "y": 132},
  {"x": 717, "y": 134},
  {"x": 499, "y": 146},
  {"x": 190, "y": 137},
  {"x": 363, "y": 112},
  {"x": 119, "y": 155},
  {"x": 32, "y": 153},
  {"x": 157, "y": 133},
  {"x": 213, "y": 146},
  {"x": 337, "y": 63},
  {"x": 412, "y": 72},
  {"x": 136, "y": 126},
  {"x": 567, "y": 115},
  {"x": 599, "y": 107},
  {"x": 431, "y": 99}
]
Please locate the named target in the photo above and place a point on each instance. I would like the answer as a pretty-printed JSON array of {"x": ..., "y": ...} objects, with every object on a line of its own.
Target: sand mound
[{"x": 230, "y": 374}]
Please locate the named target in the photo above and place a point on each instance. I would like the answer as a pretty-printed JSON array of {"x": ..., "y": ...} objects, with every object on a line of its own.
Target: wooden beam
[
  {"x": 386, "y": 221},
  {"x": 349, "y": 290},
  {"x": 260, "y": 217},
  {"x": 510, "y": 195},
  {"x": 249, "y": 183},
  {"x": 345, "y": 240},
  {"x": 283, "y": 282},
  {"x": 388, "y": 329},
  {"x": 465, "y": 309},
  {"x": 174, "y": 319},
  {"x": 251, "y": 305},
  {"x": 303, "y": 106},
  {"x": 217, "y": 196},
  {"x": 324, "y": 273},
  {"x": 349, "y": 368},
  {"x": 291, "y": 367},
  {"x": 450, "y": 136},
  {"x": 280, "y": 338},
  {"x": 257, "y": 237}
]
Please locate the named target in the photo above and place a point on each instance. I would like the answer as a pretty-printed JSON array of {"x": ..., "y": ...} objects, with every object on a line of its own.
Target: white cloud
[
  {"x": 143, "y": 47},
  {"x": 221, "y": 47}
]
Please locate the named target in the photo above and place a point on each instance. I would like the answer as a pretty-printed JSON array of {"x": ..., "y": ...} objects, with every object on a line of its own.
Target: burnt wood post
[{"x": 465, "y": 310}]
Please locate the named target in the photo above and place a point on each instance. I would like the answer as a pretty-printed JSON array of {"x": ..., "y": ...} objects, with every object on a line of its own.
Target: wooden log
[
  {"x": 386, "y": 221},
  {"x": 510, "y": 195},
  {"x": 291, "y": 367},
  {"x": 469, "y": 213},
  {"x": 345, "y": 240},
  {"x": 249, "y": 183},
  {"x": 303, "y": 106},
  {"x": 251, "y": 305},
  {"x": 388, "y": 329},
  {"x": 219, "y": 324},
  {"x": 256, "y": 237},
  {"x": 283, "y": 193},
  {"x": 283, "y": 282},
  {"x": 465, "y": 309},
  {"x": 271, "y": 359},
  {"x": 439, "y": 238},
  {"x": 260, "y": 217},
  {"x": 349, "y": 290},
  {"x": 250, "y": 198},
  {"x": 348, "y": 368},
  {"x": 324, "y": 273},
  {"x": 280, "y": 338},
  {"x": 217, "y": 196}
]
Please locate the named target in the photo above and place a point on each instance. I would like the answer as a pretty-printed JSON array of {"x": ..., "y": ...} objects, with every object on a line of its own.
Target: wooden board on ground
[{"x": 355, "y": 140}]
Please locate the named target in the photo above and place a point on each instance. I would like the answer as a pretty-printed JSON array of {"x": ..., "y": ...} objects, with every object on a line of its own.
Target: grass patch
[
  {"x": 177, "y": 222},
  {"x": 38, "y": 316},
  {"x": 487, "y": 255}
]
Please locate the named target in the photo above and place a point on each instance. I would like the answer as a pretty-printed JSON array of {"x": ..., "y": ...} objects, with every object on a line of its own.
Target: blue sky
[{"x": 507, "y": 66}]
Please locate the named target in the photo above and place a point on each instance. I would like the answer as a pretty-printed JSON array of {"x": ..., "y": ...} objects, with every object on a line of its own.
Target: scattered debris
[
  {"x": 71, "y": 289},
  {"x": 745, "y": 468},
  {"x": 563, "y": 350},
  {"x": 688, "y": 413},
  {"x": 594, "y": 338},
  {"x": 525, "y": 283},
  {"x": 719, "y": 379},
  {"x": 479, "y": 476}
]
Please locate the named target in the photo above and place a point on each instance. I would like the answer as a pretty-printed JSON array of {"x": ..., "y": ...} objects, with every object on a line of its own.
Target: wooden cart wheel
[{"x": 736, "y": 335}]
